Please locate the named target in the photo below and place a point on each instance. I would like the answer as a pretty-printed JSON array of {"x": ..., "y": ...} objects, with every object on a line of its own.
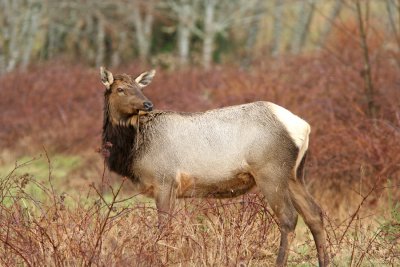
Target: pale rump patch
[{"x": 297, "y": 128}]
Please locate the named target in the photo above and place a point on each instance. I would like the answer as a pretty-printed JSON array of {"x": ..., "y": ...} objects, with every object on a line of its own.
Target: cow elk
[{"x": 219, "y": 153}]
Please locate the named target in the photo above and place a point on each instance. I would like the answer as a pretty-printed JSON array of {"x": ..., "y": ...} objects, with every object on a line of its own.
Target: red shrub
[{"x": 60, "y": 106}]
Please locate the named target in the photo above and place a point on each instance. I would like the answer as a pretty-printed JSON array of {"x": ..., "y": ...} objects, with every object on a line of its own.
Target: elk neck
[{"x": 123, "y": 141}]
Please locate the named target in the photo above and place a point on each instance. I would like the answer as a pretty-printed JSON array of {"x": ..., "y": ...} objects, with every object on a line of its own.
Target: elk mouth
[{"x": 146, "y": 106}]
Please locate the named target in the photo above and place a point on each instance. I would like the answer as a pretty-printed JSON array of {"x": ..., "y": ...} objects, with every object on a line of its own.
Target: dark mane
[{"x": 122, "y": 144}]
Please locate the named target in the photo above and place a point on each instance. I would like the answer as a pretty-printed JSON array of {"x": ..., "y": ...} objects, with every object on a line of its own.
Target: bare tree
[
  {"x": 11, "y": 31},
  {"x": 335, "y": 11},
  {"x": 253, "y": 32},
  {"x": 119, "y": 44},
  {"x": 100, "y": 43},
  {"x": 218, "y": 17},
  {"x": 277, "y": 27},
  {"x": 301, "y": 29},
  {"x": 19, "y": 26},
  {"x": 111, "y": 31},
  {"x": 143, "y": 26},
  {"x": 186, "y": 13},
  {"x": 366, "y": 72},
  {"x": 393, "y": 10},
  {"x": 209, "y": 31},
  {"x": 32, "y": 23},
  {"x": 88, "y": 29}
]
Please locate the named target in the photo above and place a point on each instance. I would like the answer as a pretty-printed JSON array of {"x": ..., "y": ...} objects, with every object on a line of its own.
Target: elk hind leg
[
  {"x": 312, "y": 215},
  {"x": 287, "y": 217},
  {"x": 279, "y": 199}
]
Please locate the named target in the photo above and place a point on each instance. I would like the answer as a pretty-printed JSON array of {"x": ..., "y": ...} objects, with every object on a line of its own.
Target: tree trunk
[
  {"x": 184, "y": 32},
  {"x": 301, "y": 31},
  {"x": 143, "y": 29},
  {"x": 118, "y": 48},
  {"x": 253, "y": 33},
  {"x": 335, "y": 11},
  {"x": 13, "y": 45},
  {"x": 277, "y": 28},
  {"x": 101, "y": 48},
  {"x": 5, "y": 32},
  {"x": 391, "y": 10},
  {"x": 209, "y": 33},
  {"x": 183, "y": 44},
  {"x": 31, "y": 33},
  {"x": 366, "y": 72}
]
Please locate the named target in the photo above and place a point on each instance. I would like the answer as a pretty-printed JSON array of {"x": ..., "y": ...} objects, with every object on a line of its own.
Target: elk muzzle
[{"x": 148, "y": 106}]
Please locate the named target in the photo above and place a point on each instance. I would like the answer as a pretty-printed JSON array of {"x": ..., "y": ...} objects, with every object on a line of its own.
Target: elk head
[{"x": 124, "y": 94}]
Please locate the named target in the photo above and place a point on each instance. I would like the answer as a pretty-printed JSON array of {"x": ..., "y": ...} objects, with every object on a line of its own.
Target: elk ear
[
  {"x": 145, "y": 78},
  {"x": 106, "y": 77}
]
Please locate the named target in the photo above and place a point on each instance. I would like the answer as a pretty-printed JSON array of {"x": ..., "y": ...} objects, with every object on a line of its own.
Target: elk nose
[{"x": 148, "y": 106}]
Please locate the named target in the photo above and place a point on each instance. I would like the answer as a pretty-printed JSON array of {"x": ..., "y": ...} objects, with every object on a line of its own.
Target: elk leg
[
  {"x": 165, "y": 200},
  {"x": 278, "y": 198},
  {"x": 312, "y": 215},
  {"x": 287, "y": 218}
]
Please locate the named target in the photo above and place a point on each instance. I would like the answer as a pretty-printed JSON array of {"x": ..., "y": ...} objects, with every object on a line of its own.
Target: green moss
[
  {"x": 59, "y": 166},
  {"x": 32, "y": 176}
]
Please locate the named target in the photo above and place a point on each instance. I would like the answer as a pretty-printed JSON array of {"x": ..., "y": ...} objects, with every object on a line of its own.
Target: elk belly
[{"x": 236, "y": 185}]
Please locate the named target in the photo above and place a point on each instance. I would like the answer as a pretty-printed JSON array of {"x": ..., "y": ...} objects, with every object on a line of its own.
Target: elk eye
[{"x": 120, "y": 90}]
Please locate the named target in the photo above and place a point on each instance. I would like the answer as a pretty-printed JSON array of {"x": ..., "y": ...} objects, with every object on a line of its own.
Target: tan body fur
[
  {"x": 218, "y": 153},
  {"x": 210, "y": 154}
]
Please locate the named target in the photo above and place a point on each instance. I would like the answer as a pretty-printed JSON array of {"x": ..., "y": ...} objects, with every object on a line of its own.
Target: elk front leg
[{"x": 165, "y": 200}]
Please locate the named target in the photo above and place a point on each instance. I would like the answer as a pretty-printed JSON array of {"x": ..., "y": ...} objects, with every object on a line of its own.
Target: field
[{"x": 60, "y": 206}]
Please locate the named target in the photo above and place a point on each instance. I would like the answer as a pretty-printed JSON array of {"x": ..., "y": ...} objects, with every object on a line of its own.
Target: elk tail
[{"x": 301, "y": 172}]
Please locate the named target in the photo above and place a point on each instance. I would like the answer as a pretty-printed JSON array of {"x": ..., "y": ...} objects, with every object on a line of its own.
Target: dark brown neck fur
[{"x": 122, "y": 139}]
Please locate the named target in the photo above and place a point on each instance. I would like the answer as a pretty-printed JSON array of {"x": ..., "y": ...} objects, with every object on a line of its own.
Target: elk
[{"x": 219, "y": 153}]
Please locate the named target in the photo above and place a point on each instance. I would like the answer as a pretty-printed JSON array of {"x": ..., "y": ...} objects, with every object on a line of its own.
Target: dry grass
[{"x": 104, "y": 227}]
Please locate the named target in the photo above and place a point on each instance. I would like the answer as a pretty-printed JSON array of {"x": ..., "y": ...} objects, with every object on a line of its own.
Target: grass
[
  {"x": 61, "y": 166},
  {"x": 105, "y": 226},
  {"x": 34, "y": 173}
]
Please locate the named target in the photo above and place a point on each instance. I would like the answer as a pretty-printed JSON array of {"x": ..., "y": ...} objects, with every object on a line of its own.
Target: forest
[{"x": 334, "y": 63}]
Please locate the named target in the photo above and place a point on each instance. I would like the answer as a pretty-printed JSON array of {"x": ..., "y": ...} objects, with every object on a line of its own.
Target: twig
[
  {"x": 17, "y": 251},
  {"x": 367, "y": 248},
  {"x": 104, "y": 224},
  {"x": 357, "y": 210}
]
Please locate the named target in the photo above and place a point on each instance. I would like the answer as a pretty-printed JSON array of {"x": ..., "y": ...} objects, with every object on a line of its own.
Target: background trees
[{"x": 198, "y": 32}]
